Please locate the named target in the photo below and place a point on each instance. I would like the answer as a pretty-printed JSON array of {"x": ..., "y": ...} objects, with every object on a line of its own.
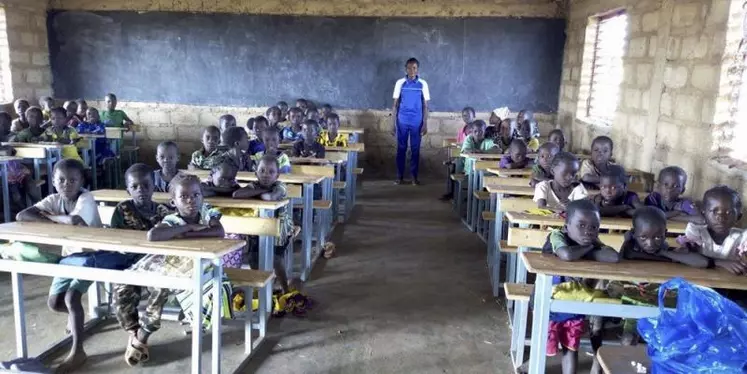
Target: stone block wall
[
  {"x": 27, "y": 49},
  {"x": 184, "y": 123},
  {"x": 674, "y": 68}
]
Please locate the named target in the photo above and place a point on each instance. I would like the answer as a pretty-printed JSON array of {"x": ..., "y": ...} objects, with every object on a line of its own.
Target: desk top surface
[
  {"x": 47, "y": 145},
  {"x": 511, "y": 172},
  {"x": 116, "y": 196},
  {"x": 251, "y": 177},
  {"x": 632, "y": 271},
  {"x": 607, "y": 222},
  {"x": 350, "y": 130},
  {"x": 510, "y": 190},
  {"x": 115, "y": 240},
  {"x": 314, "y": 161}
]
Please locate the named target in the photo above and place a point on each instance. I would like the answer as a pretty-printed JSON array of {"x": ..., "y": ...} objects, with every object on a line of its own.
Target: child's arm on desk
[
  {"x": 680, "y": 216},
  {"x": 248, "y": 192},
  {"x": 164, "y": 232},
  {"x": 213, "y": 230},
  {"x": 32, "y": 214},
  {"x": 692, "y": 259}
]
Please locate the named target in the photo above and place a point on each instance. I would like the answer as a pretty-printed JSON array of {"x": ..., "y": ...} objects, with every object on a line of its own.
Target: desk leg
[
  {"x": 475, "y": 219},
  {"x": 336, "y": 196},
  {"x": 540, "y": 323},
  {"x": 325, "y": 221},
  {"x": 520, "y": 271},
  {"x": 470, "y": 187},
  {"x": 266, "y": 260},
  {"x": 6, "y": 194},
  {"x": 354, "y": 156},
  {"x": 49, "y": 170},
  {"x": 94, "y": 177},
  {"x": 215, "y": 319},
  {"x": 197, "y": 316},
  {"x": 19, "y": 315},
  {"x": 308, "y": 228},
  {"x": 350, "y": 188},
  {"x": 496, "y": 229}
]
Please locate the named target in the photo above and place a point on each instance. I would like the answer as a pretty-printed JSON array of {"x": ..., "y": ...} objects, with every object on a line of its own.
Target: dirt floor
[{"x": 407, "y": 293}]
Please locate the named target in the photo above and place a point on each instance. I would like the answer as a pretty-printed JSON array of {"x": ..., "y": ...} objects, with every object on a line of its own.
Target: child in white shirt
[{"x": 555, "y": 194}]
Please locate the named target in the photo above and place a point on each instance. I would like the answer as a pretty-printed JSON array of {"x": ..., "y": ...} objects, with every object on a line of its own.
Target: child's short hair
[
  {"x": 111, "y": 96},
  {"x": 270, "y": 130},
  {"x": 302, "y": 101},
  {"x": 232, "y": 135},
  {"x": 259, "y": 119},
  {"x": 182, "y": 179},
  {"x": 556, "y": 132},
  {"x": 327, "y": 106},
  {"x": 674, "y": 171},
  {"x": 313, "y": 124},
  {"x": 69, "y": 164},
  {"x": 468, "y": 109},
  {"x": 603, "y": 139},
  {"x": 80, "y": 102},
  {"x": 21, "y": 101},
  {"x": 412, "y": 60},
  {"x": 58, "y": 110},
  {"x": 295, "y": 109},
  {"x": 518, "y": 143},
  {"x": 250, "y": 123},
  {"x": 36, "y": 110},
  {"x": 281, "y": 104},
  {"x": 563, "y": 157},
  {"x": 166, "y": 145},
  {"x": 46, "y": 99},
  {"x": 723, "y": 191},
  {"x": 548, "y": 147},
  {"x": 138, "y": 170},
  {"x": 225, "y": 165},
  {"x": 92, "y": 109},
  {"x": 211, "y": 130},
  {"x": 617, "y": 173},
  {"x": 584, "y": 205},
  {"x": 272, "y": 109},
  {"x": 333, "y": 116},
  {"x": 478, "y": 123},
  {"x": 651, "y": 215},
  {"x": 271, "y": 159},
  {"x": 310, "y": 106},
  {"x": 227, "y": 118}
]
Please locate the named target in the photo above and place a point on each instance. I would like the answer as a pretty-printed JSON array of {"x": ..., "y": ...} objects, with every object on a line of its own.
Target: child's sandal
[{"x": 136, "y": 352}]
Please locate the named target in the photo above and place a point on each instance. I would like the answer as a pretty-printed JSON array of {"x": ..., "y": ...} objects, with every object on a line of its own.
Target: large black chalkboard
[{"x": 350, "y": 62}]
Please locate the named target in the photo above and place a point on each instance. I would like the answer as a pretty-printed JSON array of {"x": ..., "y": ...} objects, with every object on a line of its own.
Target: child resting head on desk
[
  {"x": 577, "y": 240},
  {"x": 138, "y": 213},
  {"x": 542, "y": 170},
  {"x": 308, "y": 146},
  {"x": 647, "y": 241},
  {"x": 592, "y": 168},
  {"x": 517, "y": 156},
  {"x": 72, "y": 205},
  {"x": 614, "y": 199},
  {"x": 167, "y": 157},
  {"x": 271, "y": 140},
  {"x": 719, "y": 238},
  {"x": 667, "y": 196},
  {"x": 205, "y": 157},
  {"x": 555, "y": 194}
]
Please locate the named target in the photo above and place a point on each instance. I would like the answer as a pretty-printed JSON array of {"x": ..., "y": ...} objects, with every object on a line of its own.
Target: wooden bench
[
  {"x": 358, "y": 171},
  {"x": 506, "y": 181},
  {"x": 339, "y": 185},
  {"x": 618, "y": 359},
  {"x": 518, "y": 291}
]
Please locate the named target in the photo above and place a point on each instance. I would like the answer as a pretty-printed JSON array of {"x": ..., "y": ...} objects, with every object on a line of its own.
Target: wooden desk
[
  {"x": 53, "y": 152},
  {"x": 608, "y": 223},
  {"x": 313, "y": 161},
  {"x": 511, "y": 172},
  {"x": 617, "y": 359},
  {"x": 115, "y": 196},
  {"x": 203, "y": 252},
  {"x": 546, "y": 266},
  {"x": 246, "y": 176},
  {"x": 353, "y": 133}
]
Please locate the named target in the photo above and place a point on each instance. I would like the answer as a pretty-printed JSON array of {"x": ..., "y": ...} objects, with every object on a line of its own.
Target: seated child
[
  {"x": 71, "y": 205},
  {"x": 556, "y": 136},
  {"x": 647, "y": 241},
  {"x": 614, "y": 200},
  {"x": 206, "y": 157},
  {"x": 668, "y": 196},
  {"x": 20, "y": 182},
  {"x": 20, "y": 123},
  {"x": 235, "y": 145},
  {"x": 142, "y": 214},
  {"x": 476, "y": 142},
  {"x": 283, "y": 106},
  {"x": 542, "y": 170},
  {"x": 5, "y": 123},
  {"x": 34, "y": 131},
  {"x": 555, "y": 194},
  {"x": 167, "y": 157},
  {"x": 331, "y": 137},
  {"x": 497, "y": 116},
  {"x": 517, "y": 156},
  {"x": 324, "y": 116},
  {"x": 225, "y": 121},
  {"x": 46, "y": 103},
  {"x": 268, "y": 188},
  {"x": 524, "y": 132},
  {"x": 292, "y": 132},
  {"x": 82, "y": 110},
  {"x": 71, "y": 111},
  {"x": 256, "y": 145},
  {"x": 310, "y": 107},
  {"x": 313, "y": 115},
  {"x": 577, "y": 240},
  {"x": 271, "y": 140},
  {"x": 719, "y": 239},
  {"x": 273, "y": 114},
  {"x": 93, "y": 125},
  {"x": 527, "y": 115},
  {"x": 249, "y": 127},
  {"x": 503, "y": 136},
  {"x": 308, "y": 146},
  {"x": 61, "y": 132},
  {"x": 113, "y": 117},
  {"x": 468, "y": 116},
  {"x": 302, "y": 104},
  {"x": 592, "y": 168}
]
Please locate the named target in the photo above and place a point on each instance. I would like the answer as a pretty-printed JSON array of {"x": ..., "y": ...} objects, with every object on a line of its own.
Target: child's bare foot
[{"x": 72, "y": 362}]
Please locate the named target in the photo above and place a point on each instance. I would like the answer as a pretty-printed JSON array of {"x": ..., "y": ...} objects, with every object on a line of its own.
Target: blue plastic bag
[{"x": 707, "y": 333}]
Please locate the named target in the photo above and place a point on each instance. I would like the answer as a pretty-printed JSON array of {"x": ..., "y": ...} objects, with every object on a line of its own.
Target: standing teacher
[{"x": 410, "y": 117}]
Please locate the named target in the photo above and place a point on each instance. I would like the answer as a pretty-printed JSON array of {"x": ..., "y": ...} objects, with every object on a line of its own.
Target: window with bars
[{"x": 607, "y": 66}]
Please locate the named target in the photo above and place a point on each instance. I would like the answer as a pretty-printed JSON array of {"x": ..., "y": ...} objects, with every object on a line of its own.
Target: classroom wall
[
  {"x": 674, "y": 95},
  {"x": 168, "y": 121},
  {"x": 25, "y": 55}
]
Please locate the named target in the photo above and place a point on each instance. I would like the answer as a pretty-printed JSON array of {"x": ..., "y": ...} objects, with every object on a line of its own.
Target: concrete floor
[{"x": 407, "y": 293}]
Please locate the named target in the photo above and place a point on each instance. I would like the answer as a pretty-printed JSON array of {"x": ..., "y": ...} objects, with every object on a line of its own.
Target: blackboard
[{"x": 349, "y": 62}]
